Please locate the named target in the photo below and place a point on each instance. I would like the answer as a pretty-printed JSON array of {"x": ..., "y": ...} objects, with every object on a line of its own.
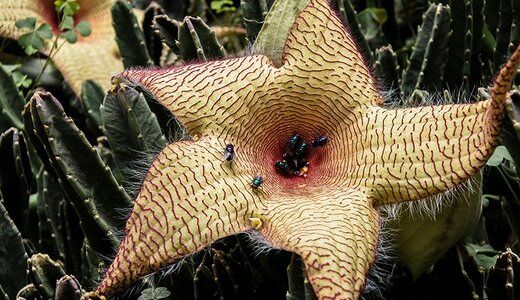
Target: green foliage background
[{"x": 68, "y": 167}]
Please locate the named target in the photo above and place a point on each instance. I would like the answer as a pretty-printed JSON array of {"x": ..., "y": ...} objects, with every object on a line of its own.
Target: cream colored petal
[
  {"x": 321, "y": 50},
  {"x": 14, "y": 10},
  {"x": 189, "y": 199},
  {"x": 96, "y": 60},
  {"x": 409, "y": 154},
  {"x": 334, "y": 231}
]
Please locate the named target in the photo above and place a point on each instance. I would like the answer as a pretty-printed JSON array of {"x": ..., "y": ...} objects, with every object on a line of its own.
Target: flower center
[{"x": 294, "y": 161}]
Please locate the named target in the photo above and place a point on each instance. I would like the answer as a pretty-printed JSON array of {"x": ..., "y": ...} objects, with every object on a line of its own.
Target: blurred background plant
[
  {"x": 35, "y": 39},
  {"x": 71, "y": 166}
]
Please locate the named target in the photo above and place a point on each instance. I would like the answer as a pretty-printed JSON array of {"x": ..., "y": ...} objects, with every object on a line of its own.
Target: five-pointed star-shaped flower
[
  {"x": 191, "y": 197},
  {"x": 94, "y": 57}
]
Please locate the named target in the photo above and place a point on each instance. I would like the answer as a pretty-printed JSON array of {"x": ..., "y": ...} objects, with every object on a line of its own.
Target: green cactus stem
[
  {"x": 197, "y": 8},
  {"x": 427, "y": 62},
  {"x": 349, "y": 16},
  {"x": 178, "y": 9},
  {"x": 174, "y": 9},
  {"x": 13, "y": 259},
  {"x": 255, "y": 12},
  {"x": 418, "y": 97},
  {"x": 503, "y": 277},
  {"x": 202, "y": 272},
  {"x": 11, "y": 102},
  {"x": 273, "y": 34},
  {"x": 410, "y": 11},
  {"x": 511, "y": 133},
  {"x": 152, "y": 39},
  {"x": 74, "y": 237},
  {"x": 46, "y": 241},
  {"x": 43, "y": 273},
  {"x": 515, "y": 28},
  {"x": 224, "y": 276},
  {"x": 168, "y": 30},
  {"x": 371, "y": 21},
  {"x": 387, "y": 68},
  {"x": 460, "y": 45},
  {"x": 3, "y": 295},
  {"x": 28, "y": 292},
  {"x": 129, "y": 37},
  {"x": 51, "y": 196},
  {"x": 197, "y": 41},
  {"x": 309, "y": 291},
  {"x": 503, "y": 33},
  {"x": 502, "y": 169},
  {"x": 15, "y": 176},
  {"x": 106, "y": 154},
  {"x": 91, "y": 267},
  {"x": 92, "y": 95},
  {"x": 477, "y": 32},
  {"x": 472, "y": 271},
  {"x": 87, "y": 182},
  {"x": 132, "y": 130},
  {"x": 449, "y": 272}
]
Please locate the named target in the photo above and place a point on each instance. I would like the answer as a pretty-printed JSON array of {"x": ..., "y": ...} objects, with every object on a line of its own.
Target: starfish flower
[
  {"x": 79, "y": 61},
  {"x": 192, "y": 197}
]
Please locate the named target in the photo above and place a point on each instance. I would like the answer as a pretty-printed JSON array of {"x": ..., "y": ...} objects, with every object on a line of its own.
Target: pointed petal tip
[
  {"x": 499, "y": 91},
  {"x": 504, "y": 80}
]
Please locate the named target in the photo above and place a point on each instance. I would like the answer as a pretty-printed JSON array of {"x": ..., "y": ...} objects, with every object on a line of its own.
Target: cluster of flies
[{"x": 294, "y": 160}]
